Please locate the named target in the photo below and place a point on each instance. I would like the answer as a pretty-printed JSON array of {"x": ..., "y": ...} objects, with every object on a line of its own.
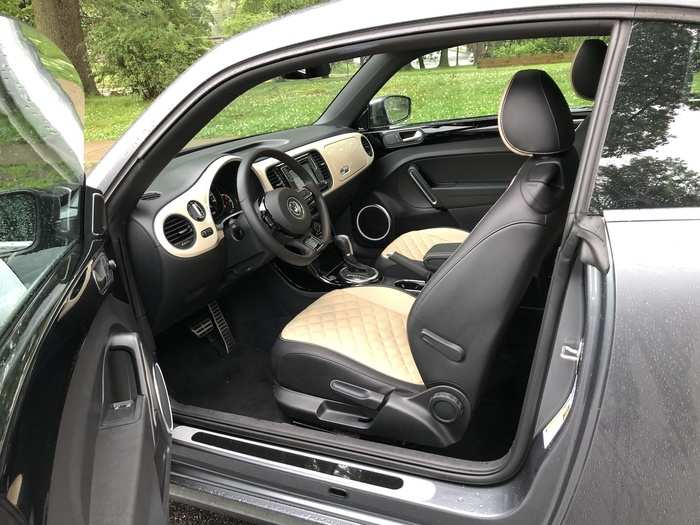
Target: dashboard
[{"x": 176, "y": 234}]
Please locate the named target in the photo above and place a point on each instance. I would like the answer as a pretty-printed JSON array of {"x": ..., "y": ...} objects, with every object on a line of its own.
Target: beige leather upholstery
[
  {"x": 366, "y": 324},
  {"x": 416, "y": 244}
]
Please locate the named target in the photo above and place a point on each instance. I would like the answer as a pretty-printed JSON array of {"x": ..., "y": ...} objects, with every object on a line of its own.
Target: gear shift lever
[
  {"x": 354, "y": 272},
  {"x": 347, "y": 252}
]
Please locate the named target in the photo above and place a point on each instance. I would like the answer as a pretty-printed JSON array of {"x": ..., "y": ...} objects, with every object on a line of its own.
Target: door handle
[
  {"x": 123, "y": 379},
  {"x": 423, "y": 186},
  {"x": 411, "y": 137}
]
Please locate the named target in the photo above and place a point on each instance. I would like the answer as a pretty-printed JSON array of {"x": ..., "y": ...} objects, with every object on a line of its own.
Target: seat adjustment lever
[{"x": 358, "y": 395}]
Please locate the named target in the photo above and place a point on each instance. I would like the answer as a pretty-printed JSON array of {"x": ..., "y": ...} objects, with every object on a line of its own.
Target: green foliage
[
  {"x": 252, "y": 13},
  {"x": 533, "y": 46},
  {"x": 243, "y": 21},
  {"x": 20, "y": 9},
  {"x": 143, "y": 45},
  {"x": 276, "y": 7},
  {"x": 467, "y": 91},
  {"x": 274, "y": 105}
]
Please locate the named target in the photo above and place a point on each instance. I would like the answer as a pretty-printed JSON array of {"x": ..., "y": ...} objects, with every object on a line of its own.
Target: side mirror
[
  {"x": 19, "y": 221},
  {"x": 322, "y": 70},
  {"x": 389, "y": 110}
]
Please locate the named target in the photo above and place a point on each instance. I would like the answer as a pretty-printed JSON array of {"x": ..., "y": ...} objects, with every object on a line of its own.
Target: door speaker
[{"x": 373, "y": 222}]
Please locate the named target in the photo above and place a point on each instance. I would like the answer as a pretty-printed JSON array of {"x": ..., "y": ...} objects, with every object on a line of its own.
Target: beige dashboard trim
[
  {"x": 198, "y": 192},
  {"x": 343, "y": 154}
]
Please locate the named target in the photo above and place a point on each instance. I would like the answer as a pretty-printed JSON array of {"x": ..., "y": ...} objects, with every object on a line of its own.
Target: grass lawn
[{"x": 436, "y": 94}]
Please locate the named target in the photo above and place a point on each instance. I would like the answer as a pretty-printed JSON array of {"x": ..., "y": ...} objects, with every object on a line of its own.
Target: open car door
[{"x": 85, "y": 420}]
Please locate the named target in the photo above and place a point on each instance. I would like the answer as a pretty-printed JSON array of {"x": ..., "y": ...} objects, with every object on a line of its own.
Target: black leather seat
[
  {"x": 376, "y": 360},
  {"x": 415, "y": 245}
]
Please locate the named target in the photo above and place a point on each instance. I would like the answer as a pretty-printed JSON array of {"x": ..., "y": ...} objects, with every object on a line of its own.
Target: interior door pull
[
  {"x": 422, "y": 185},
  {"x": 411, "y": 137}
]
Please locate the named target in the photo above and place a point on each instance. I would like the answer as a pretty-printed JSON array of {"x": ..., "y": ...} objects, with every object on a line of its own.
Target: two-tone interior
[{"x": 369, "y": 276}]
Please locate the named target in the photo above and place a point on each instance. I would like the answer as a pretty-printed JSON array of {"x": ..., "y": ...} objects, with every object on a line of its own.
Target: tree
[
  {"x": 444, "y": 58},
  {"x": 478, "y": 51},
  {"x": 646, "y": 182},
  {"x": 60, "y": 21},
  {"x": 653, "y": 86}
]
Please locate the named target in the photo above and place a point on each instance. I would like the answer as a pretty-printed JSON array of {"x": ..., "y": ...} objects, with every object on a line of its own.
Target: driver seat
[{"x": 378, "y": 361}]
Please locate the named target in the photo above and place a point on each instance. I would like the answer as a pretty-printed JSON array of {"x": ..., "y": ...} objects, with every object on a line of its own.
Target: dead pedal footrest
[{"x": 202, "y": 328}]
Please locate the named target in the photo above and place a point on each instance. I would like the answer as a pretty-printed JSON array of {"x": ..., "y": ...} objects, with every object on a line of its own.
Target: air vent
[
  {"x": 322, "y": 169},
  {"x": 368, "y": 147},
  {"x": 150, "y": 195},
  {"x": 275, "y": 177},
  {"x": 179, "y": 231}
]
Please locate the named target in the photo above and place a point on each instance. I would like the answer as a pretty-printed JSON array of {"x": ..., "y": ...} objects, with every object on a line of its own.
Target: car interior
[{"x": 367, "y": 275}]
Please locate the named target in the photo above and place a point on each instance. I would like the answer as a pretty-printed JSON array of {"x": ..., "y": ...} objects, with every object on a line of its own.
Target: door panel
[
  {"x": 113, "y": 446},
  {"x": 448, "y": 180}
]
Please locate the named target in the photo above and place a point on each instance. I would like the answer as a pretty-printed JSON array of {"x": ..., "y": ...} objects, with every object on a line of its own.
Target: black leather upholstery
[
  {"x": 490, "y": 272},
  {"x": 587, "y": 66},
  {"x": 310, "y": 369},
  {"x": 455, "y": 325},
  {"x": 534, "y": 118},
  {"x": 585, "y": 75}
]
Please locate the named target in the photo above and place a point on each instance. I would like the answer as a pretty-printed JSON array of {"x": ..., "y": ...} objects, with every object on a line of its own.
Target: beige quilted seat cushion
[
  {"x": 416, "y": 244},
  {"x": 365, "y": 324}
]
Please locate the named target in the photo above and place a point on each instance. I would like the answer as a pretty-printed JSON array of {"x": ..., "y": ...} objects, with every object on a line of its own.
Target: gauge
[
  {"x": 228, "y": 204},
  {"x": 216, "y": 205}
]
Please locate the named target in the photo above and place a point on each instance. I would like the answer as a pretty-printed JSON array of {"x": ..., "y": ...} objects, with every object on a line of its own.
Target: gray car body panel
[{"x": 643, "y": 465}]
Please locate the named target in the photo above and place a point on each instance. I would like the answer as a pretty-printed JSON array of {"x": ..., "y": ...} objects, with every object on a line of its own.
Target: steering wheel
[{"x": 282, "y": 218}]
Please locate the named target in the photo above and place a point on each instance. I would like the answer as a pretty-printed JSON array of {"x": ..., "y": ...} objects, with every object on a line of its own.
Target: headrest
[
  {"x": 586, "y": 67},
  {"x": 534, "y": 118}
]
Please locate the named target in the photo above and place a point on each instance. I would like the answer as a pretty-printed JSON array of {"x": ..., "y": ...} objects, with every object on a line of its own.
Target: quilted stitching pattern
[
  {"x": 365, "y": 324},
  {"x": 416, "y": 244}
]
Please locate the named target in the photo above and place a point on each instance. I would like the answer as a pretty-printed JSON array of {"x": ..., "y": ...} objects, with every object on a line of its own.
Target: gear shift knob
[{"x": 344, "y": 244}]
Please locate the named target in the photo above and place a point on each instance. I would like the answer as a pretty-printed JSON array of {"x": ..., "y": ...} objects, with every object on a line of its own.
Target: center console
[{"x": 338, "y": 267}]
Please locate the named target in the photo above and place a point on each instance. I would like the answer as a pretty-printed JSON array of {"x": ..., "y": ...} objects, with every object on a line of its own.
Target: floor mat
[{"x": 197, "y": 374}]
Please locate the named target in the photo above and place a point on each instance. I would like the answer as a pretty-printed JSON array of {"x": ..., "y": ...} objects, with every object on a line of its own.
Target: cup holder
[{"x": 413, "y": 286}]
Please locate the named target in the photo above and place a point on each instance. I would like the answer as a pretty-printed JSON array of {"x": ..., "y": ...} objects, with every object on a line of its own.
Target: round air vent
[
  {"x": 179, "y": 231},
  {"x": 367, "y": 145},
  {"x": 373, "y": 222}
]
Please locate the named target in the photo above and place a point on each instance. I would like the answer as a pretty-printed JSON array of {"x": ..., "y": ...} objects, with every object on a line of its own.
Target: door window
[
  {"x": 468, "y": 81},
  {"x": 650, "y": 157},
  {"x": 41, "y": 161}
]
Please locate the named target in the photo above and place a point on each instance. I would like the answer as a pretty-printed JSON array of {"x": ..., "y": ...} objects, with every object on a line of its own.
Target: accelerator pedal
[{"x": 222, "y": 326}]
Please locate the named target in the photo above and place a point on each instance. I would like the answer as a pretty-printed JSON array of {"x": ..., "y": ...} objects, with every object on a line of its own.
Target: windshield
[{"x": 277, "y": 104}]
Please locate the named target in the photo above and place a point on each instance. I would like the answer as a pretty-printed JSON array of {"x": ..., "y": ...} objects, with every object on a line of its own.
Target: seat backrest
[
  {"x": 455, "y": 324},
  {"x": 585, "y": 75}
]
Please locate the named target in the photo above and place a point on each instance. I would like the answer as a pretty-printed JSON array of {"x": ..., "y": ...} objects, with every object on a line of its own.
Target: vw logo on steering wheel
[{"x": 295, "y": 208}]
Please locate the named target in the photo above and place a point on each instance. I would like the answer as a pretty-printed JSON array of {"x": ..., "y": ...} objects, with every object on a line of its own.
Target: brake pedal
[{"x": 222, "y": 326}]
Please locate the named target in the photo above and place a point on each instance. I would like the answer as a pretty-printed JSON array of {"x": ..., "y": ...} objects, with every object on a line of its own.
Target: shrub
[{"x": 142, "y": 45}]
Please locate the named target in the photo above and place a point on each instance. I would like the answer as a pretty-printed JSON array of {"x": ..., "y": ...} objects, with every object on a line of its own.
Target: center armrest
[{"x": 438, "y": 254}]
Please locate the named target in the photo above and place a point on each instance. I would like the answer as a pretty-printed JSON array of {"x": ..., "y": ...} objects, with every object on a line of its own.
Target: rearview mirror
[
  {"x": 389, "y": 110},
  {"x": 18, "y": 221},
  {"x": 322, "y": 70}
]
